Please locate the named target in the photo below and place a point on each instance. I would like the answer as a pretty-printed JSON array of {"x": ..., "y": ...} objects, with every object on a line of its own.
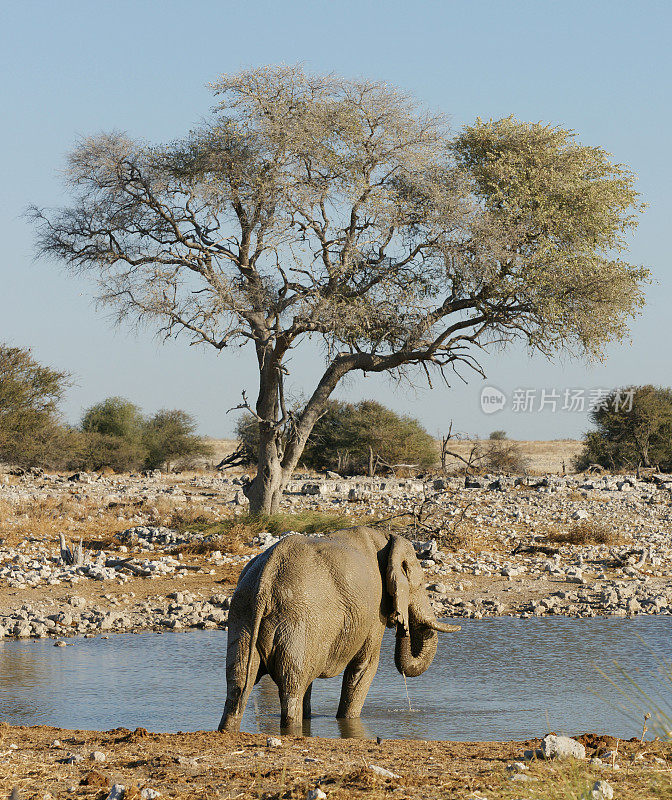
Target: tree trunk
[
  {"x": 274, "y": 469},
  {"x": 265, "y": 489}
]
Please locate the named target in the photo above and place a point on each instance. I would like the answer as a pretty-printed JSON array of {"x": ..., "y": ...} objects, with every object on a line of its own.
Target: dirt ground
[{"x": 208, "y": 765}]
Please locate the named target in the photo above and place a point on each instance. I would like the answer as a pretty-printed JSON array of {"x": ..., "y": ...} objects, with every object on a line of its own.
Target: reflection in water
[
  {"x": 20, "y": 671},
  {"x": 496, "y": 679},
  {"x": 353, "y": 729}
]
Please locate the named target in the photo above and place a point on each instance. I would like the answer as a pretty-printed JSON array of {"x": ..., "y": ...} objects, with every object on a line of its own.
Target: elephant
[{"x": 315, "y": 606}]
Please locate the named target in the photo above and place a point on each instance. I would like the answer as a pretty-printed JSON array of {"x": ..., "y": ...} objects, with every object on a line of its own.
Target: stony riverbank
[
  {"x": 43, "y": 763},
  {"x": 574, "y": 545}
]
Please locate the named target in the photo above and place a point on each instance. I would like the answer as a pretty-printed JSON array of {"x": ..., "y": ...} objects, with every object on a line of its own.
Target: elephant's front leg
[{"x": 357, "y": 679}]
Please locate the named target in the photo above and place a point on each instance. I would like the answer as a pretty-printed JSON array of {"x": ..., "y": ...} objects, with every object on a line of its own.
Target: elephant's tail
[{"x": 260, "y": 608}]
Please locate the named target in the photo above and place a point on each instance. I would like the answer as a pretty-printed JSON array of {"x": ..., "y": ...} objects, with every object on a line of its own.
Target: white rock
[
  {"x": 316, "y": 794},
  {"x": 273, "y": 741},
  {"x": 562, "y": 747},
  {"x": 98, "y": 756},
  {"x": 384, "y": 773},
  {"x": 602, "y": 791},
  {"x": 149, "y": 794},
  {"x": 116, "y": 792}
]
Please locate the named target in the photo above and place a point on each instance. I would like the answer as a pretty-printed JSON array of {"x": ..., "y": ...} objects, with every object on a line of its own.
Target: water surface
[{"x": 497, "y": 679}]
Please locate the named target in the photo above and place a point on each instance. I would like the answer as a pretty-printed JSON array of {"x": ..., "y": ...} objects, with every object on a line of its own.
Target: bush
[
  {"x": 503, "y": 455},
  {"x": 169, "y": 436},
  {"x": 31, "y": 433},
  {"x": 356, "y": 438},
  {"x": 115, "y": 434},
  {"x": 633, "y": 428},
  {"x": 584, "y": 532},
  {"x": 97, "y": 450}
]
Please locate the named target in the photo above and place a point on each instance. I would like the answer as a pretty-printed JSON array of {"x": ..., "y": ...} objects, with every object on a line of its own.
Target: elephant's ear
[{"x": 397, "y": 581}]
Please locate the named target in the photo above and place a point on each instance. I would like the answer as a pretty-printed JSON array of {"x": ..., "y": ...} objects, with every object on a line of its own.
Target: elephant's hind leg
[
  {"x": 291, "y": 707},
  {"x": 306, "y": 702},
  {"x": 357, "y": 679},
  {"x": 294, "y": 700},
  {"x": 237, "y": 690}
]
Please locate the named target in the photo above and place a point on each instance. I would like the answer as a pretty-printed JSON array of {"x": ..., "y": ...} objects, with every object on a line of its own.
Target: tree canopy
[{"x": 316, "y": 206}]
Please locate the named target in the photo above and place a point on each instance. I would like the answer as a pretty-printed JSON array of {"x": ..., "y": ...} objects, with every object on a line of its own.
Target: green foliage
[
  {"x": 115, "y": 434},
  {"x": 31, "y": 433},
  {"x": 97, "y": 450},
  {"x": 564, "y": 208},
  {"x": 170, "y": 435},
  {"x": 497, "y": 435},
  {"x": 633, "y": 428},
  {"x": 114, "y": 416},
  {"x": 354, "y": 438}
]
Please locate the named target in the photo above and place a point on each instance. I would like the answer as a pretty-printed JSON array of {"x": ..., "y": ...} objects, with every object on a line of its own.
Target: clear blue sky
[{"x": 71, "y": 68}]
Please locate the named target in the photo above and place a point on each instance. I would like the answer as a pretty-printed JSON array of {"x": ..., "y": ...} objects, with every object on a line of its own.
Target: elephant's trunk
[{"x": 415, "y": 651}]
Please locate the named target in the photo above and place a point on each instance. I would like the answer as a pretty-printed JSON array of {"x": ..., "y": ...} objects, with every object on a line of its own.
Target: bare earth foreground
[{"x": 217, "y": 765}]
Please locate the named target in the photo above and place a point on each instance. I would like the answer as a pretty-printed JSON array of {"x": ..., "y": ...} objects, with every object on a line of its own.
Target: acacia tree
[{"x": 319, "y": 206}]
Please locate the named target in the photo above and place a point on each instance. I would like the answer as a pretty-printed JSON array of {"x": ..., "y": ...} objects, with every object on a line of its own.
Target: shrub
[
  {"x": 31, "y": 433},
  {"x": 503, "y": 455},
  {"x": 633, "y": 428},
  {"x": 584, "y": 532},
  {"x": 356, "y": 438},
  {"x": 115, "y": 434},
  {"x": 169, "y": 436}
]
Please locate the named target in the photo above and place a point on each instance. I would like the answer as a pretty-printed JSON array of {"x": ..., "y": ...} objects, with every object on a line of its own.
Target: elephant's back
[{"x": 325, "y": 595}]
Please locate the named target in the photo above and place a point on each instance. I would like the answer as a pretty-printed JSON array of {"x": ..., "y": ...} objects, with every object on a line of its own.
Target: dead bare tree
[
  {"x": 315, "y": 206},
  {"x": 470, "y": 461}
]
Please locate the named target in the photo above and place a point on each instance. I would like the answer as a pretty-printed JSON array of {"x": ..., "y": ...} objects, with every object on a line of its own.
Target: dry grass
[
  {"x": 92, "y": 520},
  {"x": 233, "y": 533},
  {"x": 48, "y": 517},
  {"x": 584, "y": 533},
  {"x": 543, "y": 456}
]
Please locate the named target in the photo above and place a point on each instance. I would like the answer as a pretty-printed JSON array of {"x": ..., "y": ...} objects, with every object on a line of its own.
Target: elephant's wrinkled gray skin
[{"x": 311, "y": 608}]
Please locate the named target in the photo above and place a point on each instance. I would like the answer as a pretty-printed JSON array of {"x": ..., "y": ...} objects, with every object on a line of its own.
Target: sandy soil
[{"x": 212, "y": 765}]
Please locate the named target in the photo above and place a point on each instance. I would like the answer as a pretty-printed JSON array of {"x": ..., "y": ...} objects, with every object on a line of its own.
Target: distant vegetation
[
  {"x": 31, "y": 432},
  {"x": 361, "y": 438},
  {"x": 502, "y": 455},
  {"x": 633, "y": 428},
  {"x": 113, "y": 433}
]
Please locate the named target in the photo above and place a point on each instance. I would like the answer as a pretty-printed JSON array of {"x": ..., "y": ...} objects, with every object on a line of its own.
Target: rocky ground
[
  {"x": 551, "y": 545},
  {"x": 44, "y": 763}
]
